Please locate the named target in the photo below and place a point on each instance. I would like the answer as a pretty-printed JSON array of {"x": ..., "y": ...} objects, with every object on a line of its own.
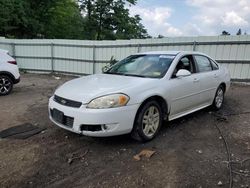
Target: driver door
[{"x": 184, "y": 92}]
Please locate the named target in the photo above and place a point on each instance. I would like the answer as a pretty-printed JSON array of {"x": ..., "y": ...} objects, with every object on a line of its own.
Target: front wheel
[
  {"x": 219, "y": 98},
  {"x": 6, "y": 85},
  {"x": 148, "y": 121}
]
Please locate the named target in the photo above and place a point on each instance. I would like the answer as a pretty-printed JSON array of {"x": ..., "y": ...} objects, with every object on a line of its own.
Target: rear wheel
[
  {"x": 148, "y": 121},
  {"x": 6, "y": 85},
  {"x": 219, "y": 98}
]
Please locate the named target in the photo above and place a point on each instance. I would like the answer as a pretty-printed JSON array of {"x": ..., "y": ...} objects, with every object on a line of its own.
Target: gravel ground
[{"x": 190, "y": 152}]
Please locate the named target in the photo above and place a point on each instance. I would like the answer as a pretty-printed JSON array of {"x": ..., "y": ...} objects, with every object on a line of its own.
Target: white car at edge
[
  {"x": 136, "y": 94},
  {"x": 9, "y": 73}
]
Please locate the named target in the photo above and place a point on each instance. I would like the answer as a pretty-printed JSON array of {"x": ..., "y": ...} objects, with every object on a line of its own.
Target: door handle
[
  {"x": 196, "y": 80},
  {"x": 215, "y": 75}
]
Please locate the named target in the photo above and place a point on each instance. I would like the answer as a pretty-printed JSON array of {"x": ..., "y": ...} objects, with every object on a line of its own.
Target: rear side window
[{"x": 203, "y": 63}]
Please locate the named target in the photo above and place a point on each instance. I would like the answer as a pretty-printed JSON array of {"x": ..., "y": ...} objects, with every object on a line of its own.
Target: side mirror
[{"x": 182, "y": 73}]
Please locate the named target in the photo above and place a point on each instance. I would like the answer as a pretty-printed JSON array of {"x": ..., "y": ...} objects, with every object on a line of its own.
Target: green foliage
[
  {"x": 65, "y": 21},
  {"x": 225, "y": 33},
  {"x": 160, "y": 36},
  {"x": 13, "y": 18},
  {"x": 109, "y": 19},
  {"x": 70, "y": 19},
  {"x": 40, "y": 19},
  {"x": 238, "y": 32}
]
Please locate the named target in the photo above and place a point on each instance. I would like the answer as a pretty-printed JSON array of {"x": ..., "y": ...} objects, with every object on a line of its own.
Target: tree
[
  {"x": 65, "y": 21},
  {"x": 238, "y": 32},
  {"x": 225, "y": 33},
  {"x": 109, "y": 19},
  {"x": 70, "y": 19},
  {"x": 13, "y": 18},
  {"x": 160, "y": 36},
  {"x": 89, "y": 20},
  {"x": 40, "y": 19}
]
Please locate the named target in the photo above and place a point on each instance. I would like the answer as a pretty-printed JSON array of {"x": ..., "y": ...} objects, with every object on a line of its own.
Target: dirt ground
[{"x": 190, "y": 152}]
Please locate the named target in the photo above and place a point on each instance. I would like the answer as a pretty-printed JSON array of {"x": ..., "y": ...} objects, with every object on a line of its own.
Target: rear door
[{"x": 208, "y": 77}]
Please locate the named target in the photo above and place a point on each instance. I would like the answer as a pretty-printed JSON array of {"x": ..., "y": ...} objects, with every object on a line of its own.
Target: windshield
[{"x": 151, "y": 66}]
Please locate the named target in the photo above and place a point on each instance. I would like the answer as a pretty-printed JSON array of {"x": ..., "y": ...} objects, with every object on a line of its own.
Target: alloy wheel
[
  {"x": 5, "y": 85},
  {"x": 219, "y": 97},
  {"x": 151, "y": 121}
]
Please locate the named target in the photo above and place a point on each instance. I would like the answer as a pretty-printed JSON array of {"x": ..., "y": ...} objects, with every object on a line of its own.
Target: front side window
[
  {"x": 186, "y": 63},
  {"x": 203, "y": 63},
  {"x": 151, "y": 66}
]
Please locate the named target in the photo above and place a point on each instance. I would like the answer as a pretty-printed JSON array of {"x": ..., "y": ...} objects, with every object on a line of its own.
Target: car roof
[{"x": 170, "y": 52}]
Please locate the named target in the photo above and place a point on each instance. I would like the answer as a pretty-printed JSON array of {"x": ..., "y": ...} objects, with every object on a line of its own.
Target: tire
[
  {"x": 219, "y": 98},
  {"x": 147, "y": 123},
  {"x": 6, "y": 85}
]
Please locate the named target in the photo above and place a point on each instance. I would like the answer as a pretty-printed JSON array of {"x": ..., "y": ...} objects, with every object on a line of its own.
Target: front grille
[
  {"x": 59, "y": 117},
  {"x": 67, "y": 102},
  {"x": 69, "y": 121}
]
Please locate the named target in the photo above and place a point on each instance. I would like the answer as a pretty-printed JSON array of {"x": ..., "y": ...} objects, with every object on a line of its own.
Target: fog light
[{"x": 105, "y": 127}]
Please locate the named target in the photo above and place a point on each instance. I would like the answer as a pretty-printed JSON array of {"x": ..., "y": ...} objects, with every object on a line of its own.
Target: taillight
[{"x": 12, "y": 62}]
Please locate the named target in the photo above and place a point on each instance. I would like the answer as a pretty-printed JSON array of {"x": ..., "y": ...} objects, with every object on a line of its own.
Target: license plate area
[{"x": 58, "y": 116}]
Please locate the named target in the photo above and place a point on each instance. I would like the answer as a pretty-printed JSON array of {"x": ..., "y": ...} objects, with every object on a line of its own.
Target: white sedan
[{"x": 138, "y": 93}]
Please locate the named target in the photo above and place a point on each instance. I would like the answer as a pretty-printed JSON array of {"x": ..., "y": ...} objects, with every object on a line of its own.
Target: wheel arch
[
  {"x": 160, "y": 100},
  {"x": 8, "y": 74},
  {"x": 223, "y": 85},
  {"x": 163, "y": 104}
]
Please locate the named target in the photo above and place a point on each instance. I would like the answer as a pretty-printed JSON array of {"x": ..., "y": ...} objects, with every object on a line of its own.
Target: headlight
[{"x": 109, "y": 101}]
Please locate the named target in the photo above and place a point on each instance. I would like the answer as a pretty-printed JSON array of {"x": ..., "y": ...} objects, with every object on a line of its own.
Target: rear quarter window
[{"x": 214, "y": 65}]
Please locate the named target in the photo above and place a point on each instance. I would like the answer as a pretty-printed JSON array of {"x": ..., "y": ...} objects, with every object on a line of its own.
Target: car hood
[{"x": 86, "y": 88}]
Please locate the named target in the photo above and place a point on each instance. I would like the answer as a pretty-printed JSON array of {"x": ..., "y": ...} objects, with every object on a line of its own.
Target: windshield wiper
[
  {"x": 135, "y": 75},
  {"x": 117, "y": 73},
  {"x": 125, "y": 74}
]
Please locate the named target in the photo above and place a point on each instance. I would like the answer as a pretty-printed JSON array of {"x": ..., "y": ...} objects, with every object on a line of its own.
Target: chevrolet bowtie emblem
[{"x": 63, "y": 101}]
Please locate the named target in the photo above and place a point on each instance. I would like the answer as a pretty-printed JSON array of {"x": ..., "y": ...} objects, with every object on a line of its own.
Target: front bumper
[{"x": 117, "y": 121}]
